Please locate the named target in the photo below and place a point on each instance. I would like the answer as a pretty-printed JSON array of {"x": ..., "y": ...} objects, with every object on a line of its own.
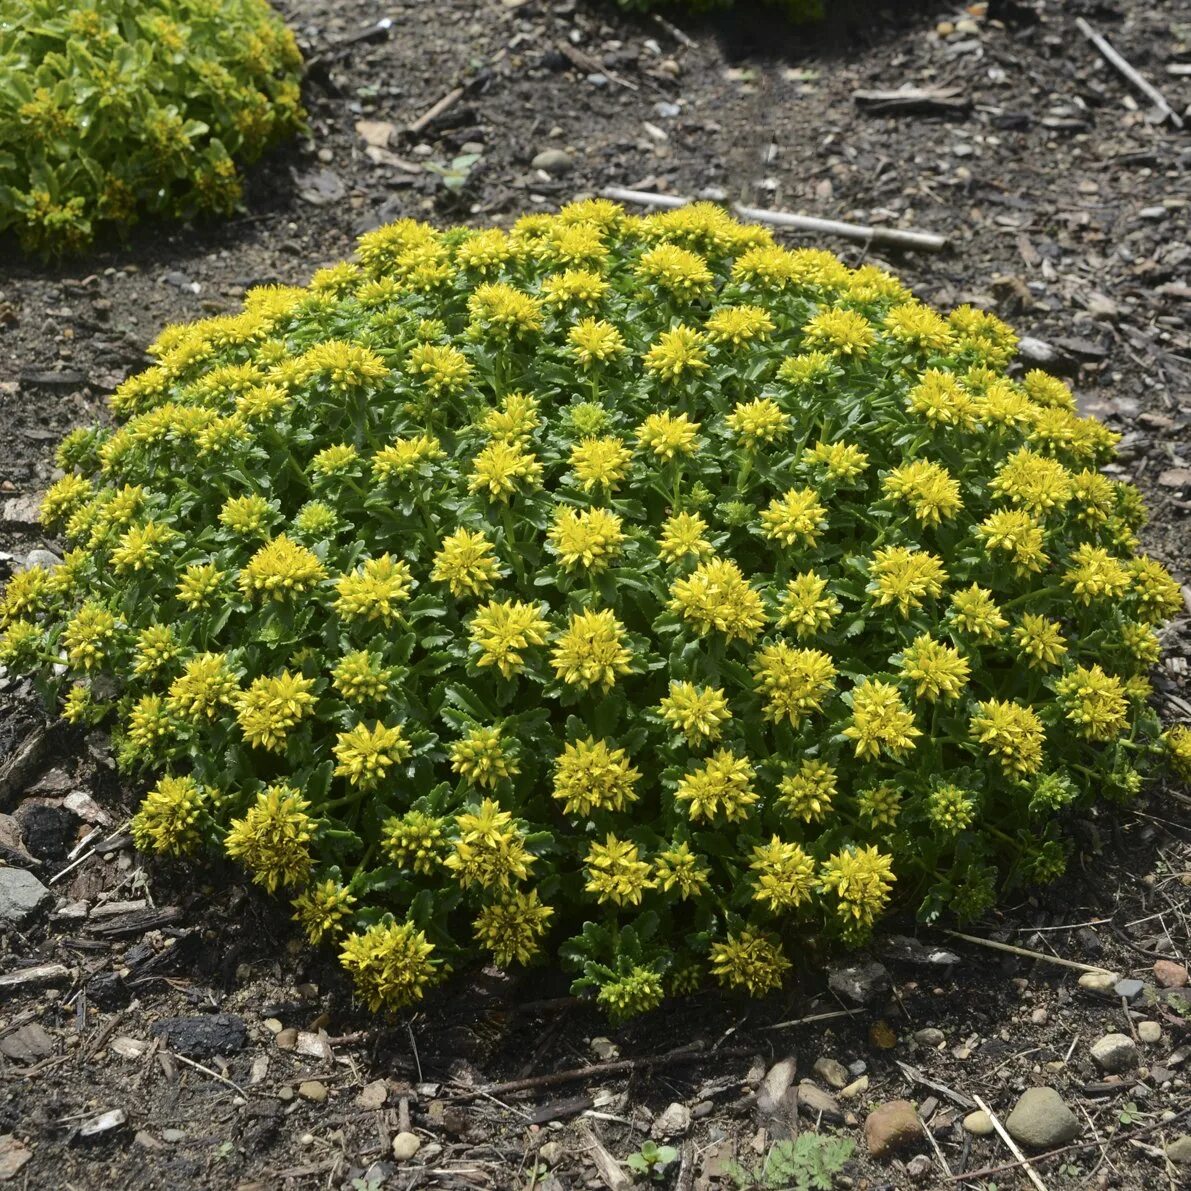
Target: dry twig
[
  {"x": 1114, "y": 58},
  {"x": 613, "y": 1067},
  {"x": 433, "y": 112},
  {"x": 1026, "y": 953},
  {"x": 907, "y": 101},
  {"x": 889, "y": 237}
]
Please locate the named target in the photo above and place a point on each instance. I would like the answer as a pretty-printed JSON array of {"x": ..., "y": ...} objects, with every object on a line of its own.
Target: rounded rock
[
  {"x": 832, "y": 1072},
  {"x": 1101, "y": 983},
  {"x": 1115, "y": 1053},
  {"x": 892, "y": 1127},
  {"x": 1041, "y": 1120},
  {"x": 1170, "y": 974},
  {"x": 553, "y": 161},
  {"x": 978, "y": 1123},
  {"x": 405, "y": 1146}
]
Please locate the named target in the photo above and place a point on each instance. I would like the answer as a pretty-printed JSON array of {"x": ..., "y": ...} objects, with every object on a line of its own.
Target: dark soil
[{"x": 1067, "y": 211}]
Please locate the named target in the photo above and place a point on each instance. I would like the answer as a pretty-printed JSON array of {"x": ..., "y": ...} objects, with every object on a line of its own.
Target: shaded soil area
[{"x": 162, "y": 1028}]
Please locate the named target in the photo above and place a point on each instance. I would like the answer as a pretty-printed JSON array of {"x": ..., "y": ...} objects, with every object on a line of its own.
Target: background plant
[
  {"x": 634, "y": 584},
  {"x": 111, "y": 108},
  {"x": 810, "y": 1162},
  {"x": 794, "y": 10}
]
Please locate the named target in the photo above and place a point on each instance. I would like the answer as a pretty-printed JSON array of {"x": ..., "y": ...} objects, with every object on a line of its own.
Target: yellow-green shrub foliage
[
  {"x": 109, "y": 108},
  {"x": 629, "y": 570}
]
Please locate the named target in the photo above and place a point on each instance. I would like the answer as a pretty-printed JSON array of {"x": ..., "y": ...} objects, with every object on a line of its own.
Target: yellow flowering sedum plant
[
  {"x": 634, "y": 586},
  {"x": 111, "y": 108}
]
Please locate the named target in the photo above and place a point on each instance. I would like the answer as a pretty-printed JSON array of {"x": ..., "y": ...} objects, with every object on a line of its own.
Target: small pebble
[
  {"x": 312, "y": 1089},
  {"x": 405, "y": 1146},
  {"x": 1169, "y": 974},
  {"x": 1149, "y": 1031},
  {"x": 287, "y": 1039},
  {"x": 930, "y": 1037},
  {"x": 373, "y": 1095},
  {"x": 918, "y": 1168},
  {"x": 832, "y": 1072},
  {"x": 553, "y": 161},
  {"x": 1101, "y": 983},
  {"x": 978, "y": 1123},
  {"x": 1039, "y": 1017},
  {"x": 1115, "y": 1053}
]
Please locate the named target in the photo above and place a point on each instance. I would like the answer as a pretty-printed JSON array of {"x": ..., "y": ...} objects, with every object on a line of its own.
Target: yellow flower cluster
[{"x": 629, "y": 580}]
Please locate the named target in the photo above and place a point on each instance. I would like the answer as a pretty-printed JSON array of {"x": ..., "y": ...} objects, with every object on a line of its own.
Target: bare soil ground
[{"x": 1068, "y": 214}]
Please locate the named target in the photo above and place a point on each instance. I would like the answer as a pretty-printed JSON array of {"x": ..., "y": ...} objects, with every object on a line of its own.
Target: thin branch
[
  {"x": 1026, "y": 953},
  {"x": 1115, "y": 59},
  {"x": 856, "y": 232},
  {"x": 613, "y": 1067},
  {"x": 207, "y": 1071},
  {"x": 802, "y": 1021}
]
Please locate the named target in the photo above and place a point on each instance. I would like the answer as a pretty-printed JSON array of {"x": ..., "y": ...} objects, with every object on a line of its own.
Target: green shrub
[
  {"x": 109, "y": 108},
  {"x": 794, "y": 10},
  {"x": 628, "y": 570}
]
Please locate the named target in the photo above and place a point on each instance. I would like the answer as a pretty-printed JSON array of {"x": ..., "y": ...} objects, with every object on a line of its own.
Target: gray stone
[
  {"x": 1128, "y": 988},
  {"x": 22, "y": 510},
  {"x": 41, "y": 558},
  {"x": 202, "y": 1037},
  {"x": 21, "y": 896},
  {"x": 859, "y": 984},
  {"x": 1115, "y": 1053},
  {"x": 553, "y": 161},
  {"x": 29, "y": 1044},
  {"x": 1179, "y": 1150},
  {"x": 832, "y": 1072},
  {"x": 674, "y": 1122},
  {"x": 930, "y": 1037},
  {"x": 978, "y": 1123},
  {"x": 918, "y": 1168},
  {"x": 373, "y": 1095},
  {"x": 1041, "y": 1120}
]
